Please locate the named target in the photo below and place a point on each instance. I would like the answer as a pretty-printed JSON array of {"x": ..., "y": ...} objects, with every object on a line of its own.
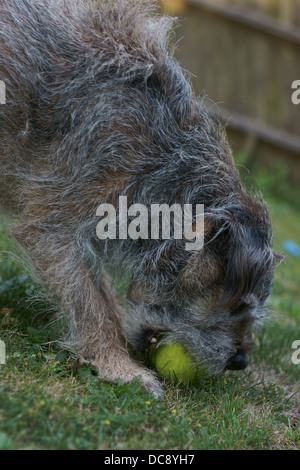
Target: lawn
[{"x": 49, "y": 401}]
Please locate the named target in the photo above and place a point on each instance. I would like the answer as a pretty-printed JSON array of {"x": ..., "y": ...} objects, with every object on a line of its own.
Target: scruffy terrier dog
[{"x": 96, "y": 107}]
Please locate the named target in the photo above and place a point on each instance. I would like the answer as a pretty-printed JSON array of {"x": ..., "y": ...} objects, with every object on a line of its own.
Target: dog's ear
[{"x": 250, "y": 260}]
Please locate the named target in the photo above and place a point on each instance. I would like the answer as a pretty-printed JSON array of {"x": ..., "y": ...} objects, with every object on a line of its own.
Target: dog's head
[{"x": 209, "y": 300}]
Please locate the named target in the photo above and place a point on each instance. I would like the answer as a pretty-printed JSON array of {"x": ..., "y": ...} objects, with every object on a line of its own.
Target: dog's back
[{"x": 56, "y": 58}]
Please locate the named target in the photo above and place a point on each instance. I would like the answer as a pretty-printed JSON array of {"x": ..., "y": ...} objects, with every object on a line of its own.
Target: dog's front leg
[{"x": 93, "y": 313}]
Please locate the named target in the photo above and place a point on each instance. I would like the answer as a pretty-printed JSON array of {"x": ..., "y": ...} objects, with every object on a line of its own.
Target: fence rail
[
  {"x": 245, "y": 62},
  {"x": 250, "y": 19}
]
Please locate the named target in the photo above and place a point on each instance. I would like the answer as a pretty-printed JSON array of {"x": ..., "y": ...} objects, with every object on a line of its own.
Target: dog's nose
[{"x": 238, "y": 362}]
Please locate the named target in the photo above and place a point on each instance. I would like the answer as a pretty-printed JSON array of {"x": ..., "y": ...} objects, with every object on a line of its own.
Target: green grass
[{"x": 49, "y": 401}]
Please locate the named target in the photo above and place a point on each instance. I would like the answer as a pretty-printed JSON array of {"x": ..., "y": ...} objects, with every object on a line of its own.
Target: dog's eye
[{"x": 242, "y": 308}]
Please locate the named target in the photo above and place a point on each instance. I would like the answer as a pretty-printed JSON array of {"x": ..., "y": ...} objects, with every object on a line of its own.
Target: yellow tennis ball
[{"x": 175, "y": 363}]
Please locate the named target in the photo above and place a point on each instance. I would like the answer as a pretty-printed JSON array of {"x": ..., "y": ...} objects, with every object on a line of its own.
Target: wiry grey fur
[{"x": 97, "y": 107}]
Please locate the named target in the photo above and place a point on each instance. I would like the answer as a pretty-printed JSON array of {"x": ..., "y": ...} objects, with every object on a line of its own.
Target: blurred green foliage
[{"x": 273, "y": 180}]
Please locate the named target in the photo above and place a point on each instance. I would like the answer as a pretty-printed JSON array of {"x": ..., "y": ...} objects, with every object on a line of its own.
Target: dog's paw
[
  {"x": 152, "y": 384},
  {"x": 129, "y": 371},
  {"x": 148, "y": 380}
]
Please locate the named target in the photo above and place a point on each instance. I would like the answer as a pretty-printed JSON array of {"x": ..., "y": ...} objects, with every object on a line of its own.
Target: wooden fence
[{"x": 244, "y": 56}]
